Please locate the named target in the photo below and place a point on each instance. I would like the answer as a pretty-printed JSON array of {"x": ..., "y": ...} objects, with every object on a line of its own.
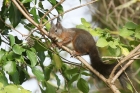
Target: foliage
[
  {"x": 116, "y": 42},
  {"x": 13, "y": 88},
  {"x": 19, "y": 55}
]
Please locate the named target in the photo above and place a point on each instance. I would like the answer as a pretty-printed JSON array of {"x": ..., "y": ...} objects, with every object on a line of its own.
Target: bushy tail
[{"x": 104, "y": 69}]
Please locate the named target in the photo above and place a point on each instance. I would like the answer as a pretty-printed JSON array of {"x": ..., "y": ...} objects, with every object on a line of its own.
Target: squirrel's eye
[{"x": 55, "y": 30}]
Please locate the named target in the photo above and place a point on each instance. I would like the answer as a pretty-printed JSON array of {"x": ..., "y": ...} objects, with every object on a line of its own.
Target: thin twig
[
  {"x": 123, "y": 60},
  {"x": 12, "y": 28},
  {"x": 70, "y": 10},
  {"x": 125, "y": 66},
  {"x": 24, "y": 8},
  {"x": 51, "y": 10}
]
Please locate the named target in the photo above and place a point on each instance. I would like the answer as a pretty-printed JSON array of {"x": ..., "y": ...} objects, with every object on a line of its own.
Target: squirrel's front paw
[
  {"x": 74, "y": 53},
  {"x": 59, "y": 44}
]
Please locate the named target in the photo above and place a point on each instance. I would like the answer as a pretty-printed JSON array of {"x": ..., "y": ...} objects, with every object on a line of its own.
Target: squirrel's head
[{"x": 56, "y": 30}]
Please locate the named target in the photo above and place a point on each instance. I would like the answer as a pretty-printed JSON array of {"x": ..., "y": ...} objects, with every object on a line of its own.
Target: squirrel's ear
[
  {"x": 59, "y": 26},
  {"x": 52, "y": 24}
]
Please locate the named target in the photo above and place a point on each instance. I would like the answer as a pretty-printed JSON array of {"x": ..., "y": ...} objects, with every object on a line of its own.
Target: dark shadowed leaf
[
  {"x": 83, "y": 85},
  {"x": 3, "y": 79},
  {"x": 26, "y": 1},
  {"x": 14, "y": 15},
  {"x": 74, "y": 78},
  {"x": 48, "y": 70},
  {"x": 72, "y": 71},
  {"x": 50, "y": 88},
  {"x": 2, "y": 52},
  {"x": 58, "y": 80},
  {"x": 52, "y": 1},
  {"x": 33, "y": 11},
  {"x": 15, "y": 77}
]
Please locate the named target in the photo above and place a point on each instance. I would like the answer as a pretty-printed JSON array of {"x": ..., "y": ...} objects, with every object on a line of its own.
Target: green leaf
[
  {"x": 125, "y": 51},
  {"x": 33, "y": 50},
  {"x": 18, "y": 49},
  {"x": 124, "y": 32},
  {"x": 72, "y": 71},
  {"x": 130, "y": 88},
  {"x": 48, "y": 26},
  {"x": 33, "y": 11},
  {"x": 48, "y": 70},
  {"x": 19, "y": 58},
  {"x": 85, "y": 23},
  {"x": 3, "y": 79},
  {"x": 38, "y": 73},
  {"x": 86, "y": 74},
  {"x": 26, "y": 1},
  {"x": 10, "y": 67},
  {"x": 102, "y": 42},
  {"x": 93, "y": 32},
  {"x": 82, "y": 27},
  {"x": 113, "y": 44},
  {"x": 2, "y": 53},
  {"x": 17, "y": 41},
  {"x": 12, "y": 40},
  {"x": 14, "y": 15},
  {"x": 114, "y": 52},
  {"x": 50, "y": 88},
  {"x": 137, "y": 32},
  {"x": 40, "y": 14},
  {"x": 12, "y": 88},
  {"x": 11, "y": 55},
  {"x": 40, "y": 46},
  {"x": 25, "y": 91},
  {"x": 83, "y": 85},
  {"x": 57, "y": 61},
  {"x": 74, "y": 78},
  {"x": 15, "y": 77},
  {"x": 58, "y": 80},
  {"x": 59, "y": 8},
  {"x": 1, "y": 86},
  {"x": 52, "y": 2},
  {"x": 41, "y": 56},
  {"x": 40, "y": 5},
  {"x": 130, "y": 25},
  {"x": 32, "y": 57}
]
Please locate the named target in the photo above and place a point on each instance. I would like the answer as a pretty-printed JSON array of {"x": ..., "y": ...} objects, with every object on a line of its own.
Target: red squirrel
[{"x": 82, "y": 43}]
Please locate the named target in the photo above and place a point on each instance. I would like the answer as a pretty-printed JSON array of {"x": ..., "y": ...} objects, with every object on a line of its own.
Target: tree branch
[
  {"x": 123, "y": 60},
  {"x": 125, "y": 66}
]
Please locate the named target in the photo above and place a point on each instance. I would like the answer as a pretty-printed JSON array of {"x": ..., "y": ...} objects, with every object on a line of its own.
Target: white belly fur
[{"x": 70, "y": 45}]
